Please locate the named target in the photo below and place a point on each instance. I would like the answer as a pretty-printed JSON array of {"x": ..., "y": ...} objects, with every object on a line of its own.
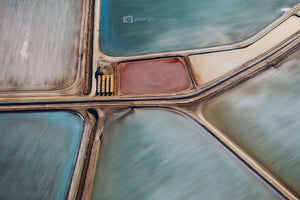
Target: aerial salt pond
[
  {"x": 165, "y": 75},
  {"x": 39, "y": 43},
  {"x": 38, "y": 154},
  {"x": 262, "y": 116},
  {"x": 134, "y": 27},
  {"x": 158, "y": 154}
]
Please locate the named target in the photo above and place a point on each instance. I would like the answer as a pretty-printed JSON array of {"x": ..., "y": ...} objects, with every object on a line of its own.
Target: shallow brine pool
[
  {"x": 262, "y": 116},
  {"x": 39, "y": 43},
  {"x": 134, "y": 27},
  {"x": 159, "y": 154},
  {"x": 38, "y": 154}
]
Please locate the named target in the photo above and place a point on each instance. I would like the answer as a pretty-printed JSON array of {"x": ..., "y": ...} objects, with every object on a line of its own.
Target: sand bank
[{"x": 207, "y": 67}]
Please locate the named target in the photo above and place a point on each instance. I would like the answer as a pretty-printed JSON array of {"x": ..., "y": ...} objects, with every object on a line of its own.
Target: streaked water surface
[
  {"x": 132, "y": 27},
  {"x": 263, "y": 117},
  {"x": 38, "y": 154},
  {"x": 158, "y": 154},
  {"x": 38, "y": 43}
]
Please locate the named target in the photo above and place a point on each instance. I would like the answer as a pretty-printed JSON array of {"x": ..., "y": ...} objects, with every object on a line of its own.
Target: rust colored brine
[{"x": 167, "y": 75}]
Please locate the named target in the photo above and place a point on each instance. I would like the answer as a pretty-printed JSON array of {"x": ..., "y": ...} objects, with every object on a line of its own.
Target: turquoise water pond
[
  {"x": 262, "y": 116},
  {"x": 38, "y": 154},
  {"x": 134, "y": 27},
  {"x": 159, "y": 154}
]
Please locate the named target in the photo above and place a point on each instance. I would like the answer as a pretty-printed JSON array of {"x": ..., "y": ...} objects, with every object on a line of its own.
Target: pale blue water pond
[
  {"x": 262, "y": 116},
  {"x": 158, "y": 154},
  {"x": 38, "y": 154},
  {"x": 134, "y": 27}
]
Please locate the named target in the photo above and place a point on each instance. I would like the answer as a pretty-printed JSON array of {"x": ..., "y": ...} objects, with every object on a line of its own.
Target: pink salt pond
[{"x": 167, "y": 75}]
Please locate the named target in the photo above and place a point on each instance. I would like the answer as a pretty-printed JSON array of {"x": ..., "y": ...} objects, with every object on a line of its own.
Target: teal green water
[
  {"x": 263, "y": 117},
  {"x": 158, "y": 154},
  {"x": 134, "y": 27},
  {"x": 38, "y": 154}
]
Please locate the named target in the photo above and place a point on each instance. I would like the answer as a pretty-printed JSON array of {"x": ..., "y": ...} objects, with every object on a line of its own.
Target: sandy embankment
[{"x": 207, "y": 67}]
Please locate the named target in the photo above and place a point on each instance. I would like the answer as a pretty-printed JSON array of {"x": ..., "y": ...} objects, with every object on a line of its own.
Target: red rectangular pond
[{"x": 167, "y": 75}]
